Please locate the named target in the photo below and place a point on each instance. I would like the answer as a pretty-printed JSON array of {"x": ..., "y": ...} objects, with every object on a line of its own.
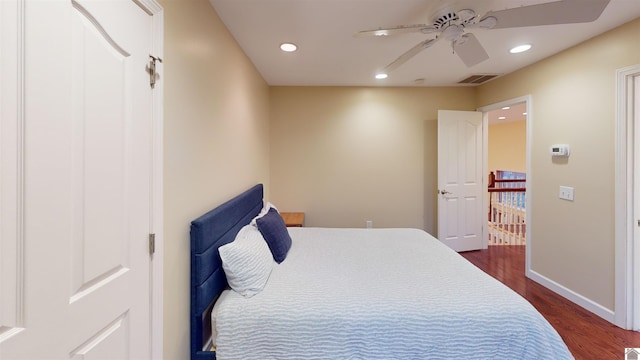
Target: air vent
[{"x": 478, "y": 79}]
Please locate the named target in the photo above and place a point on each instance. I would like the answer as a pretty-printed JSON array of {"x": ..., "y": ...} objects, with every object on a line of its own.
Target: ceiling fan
[{"x": 452, "y": 26}]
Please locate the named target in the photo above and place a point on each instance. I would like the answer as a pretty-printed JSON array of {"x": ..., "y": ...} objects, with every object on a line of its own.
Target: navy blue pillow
[{"x": 274, "y": 231}]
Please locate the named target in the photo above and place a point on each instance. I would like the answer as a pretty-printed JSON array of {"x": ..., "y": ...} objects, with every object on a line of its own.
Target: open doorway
[
  {"x": 507, "y": 162},
  {"x": 523, "y": 106}
]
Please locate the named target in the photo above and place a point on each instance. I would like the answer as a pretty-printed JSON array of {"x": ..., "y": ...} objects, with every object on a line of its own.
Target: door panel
[
  {"x": 460, "y": 179},
  {"x": 110, "y": 342},
  {"x": 451, "y": 211},
  {"x": 101, "y": 123}
]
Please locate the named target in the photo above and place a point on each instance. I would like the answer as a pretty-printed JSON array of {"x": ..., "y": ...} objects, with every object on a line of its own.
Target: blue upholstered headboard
[{"x": 208, "y": 232}]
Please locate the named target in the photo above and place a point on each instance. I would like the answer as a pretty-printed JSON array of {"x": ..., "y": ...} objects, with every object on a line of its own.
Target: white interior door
[
  {"x": 460, "y": 179},
  {"x": 75, "y": 271}
]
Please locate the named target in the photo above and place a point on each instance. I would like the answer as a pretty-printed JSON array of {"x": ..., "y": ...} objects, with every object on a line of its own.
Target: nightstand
[{"x": 293, "y": 219}]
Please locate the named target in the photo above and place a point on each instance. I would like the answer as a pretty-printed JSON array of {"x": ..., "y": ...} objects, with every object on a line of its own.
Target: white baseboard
[{"x": 572, "y": 296}]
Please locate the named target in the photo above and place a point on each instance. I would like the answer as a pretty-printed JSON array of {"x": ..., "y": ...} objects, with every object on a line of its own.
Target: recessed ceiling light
[
  {"x": 520, "y": 48},
  {"x": 288, "y": 47},
  {"x": 506, "y": 108},
  {"x": 524, "y": 113},
  {"x": 502, "y": 117},
  {"x": 381, "y": 76}
]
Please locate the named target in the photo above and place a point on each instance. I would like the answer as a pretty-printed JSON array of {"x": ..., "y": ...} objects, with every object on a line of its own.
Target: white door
[
  {"x": 460, "y": 175},
  {"x": 79, "y": 264}
]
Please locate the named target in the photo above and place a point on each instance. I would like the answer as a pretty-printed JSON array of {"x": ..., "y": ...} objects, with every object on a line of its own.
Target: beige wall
[
  {"x": 346, "y": 155},
  {"x": 573, "y": 101},
  {"x": 216, "y": 141},
  {"x": 508, "y": 146}
]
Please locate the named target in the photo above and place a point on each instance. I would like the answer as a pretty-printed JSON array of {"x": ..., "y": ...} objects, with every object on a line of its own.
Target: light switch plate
[{"x": 566, "y": 193}]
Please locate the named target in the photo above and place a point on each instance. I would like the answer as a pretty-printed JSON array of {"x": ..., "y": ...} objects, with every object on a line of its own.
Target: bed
[{"x": 355, "y": 294}]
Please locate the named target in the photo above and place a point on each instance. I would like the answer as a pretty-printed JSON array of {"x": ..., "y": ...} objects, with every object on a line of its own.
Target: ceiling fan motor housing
[
  {"x": 461, "y": 17},
  {"x": 443, "y": 20}
]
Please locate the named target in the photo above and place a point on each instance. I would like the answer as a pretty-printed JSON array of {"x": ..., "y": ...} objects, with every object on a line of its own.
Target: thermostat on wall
[{"x": 560, "y": 150}]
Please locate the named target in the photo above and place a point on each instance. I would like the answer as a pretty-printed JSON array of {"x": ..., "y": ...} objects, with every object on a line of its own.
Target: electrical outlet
[
  {"x": 369, "y": 224},
  {"x": 566, "y": 193}
]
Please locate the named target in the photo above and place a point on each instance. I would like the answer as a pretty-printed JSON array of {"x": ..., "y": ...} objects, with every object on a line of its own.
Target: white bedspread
[{"x": 380, "y": 294}]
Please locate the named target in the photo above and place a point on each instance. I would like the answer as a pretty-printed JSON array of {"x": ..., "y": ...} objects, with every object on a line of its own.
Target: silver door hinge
[
  {"x": 151, "y": 68},
  {"x": 152, "y": 244}
]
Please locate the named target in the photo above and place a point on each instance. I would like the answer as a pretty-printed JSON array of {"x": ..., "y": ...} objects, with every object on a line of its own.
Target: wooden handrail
[
  {"x": 491, "y": 190},
  {"x": 493, "y": 180}
]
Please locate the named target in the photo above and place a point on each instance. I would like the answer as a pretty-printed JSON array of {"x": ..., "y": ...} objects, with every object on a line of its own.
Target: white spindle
[{"x": 507, "y": 214}]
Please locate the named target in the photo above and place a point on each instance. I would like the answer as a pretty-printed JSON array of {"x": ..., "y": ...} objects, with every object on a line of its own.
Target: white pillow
[
  {"x": 247, "y": 261},
  {"x": 263, "y": 212}
]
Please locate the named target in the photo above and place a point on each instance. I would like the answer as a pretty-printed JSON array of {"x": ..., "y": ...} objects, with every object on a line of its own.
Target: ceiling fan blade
[
  {"x": 409, "y": 54},
  {"x": 488, "y": 22},
  {"x": 470, "y": 51},
  {"x": 558, "y": 12},
  {"x": 405, "y": 29}
]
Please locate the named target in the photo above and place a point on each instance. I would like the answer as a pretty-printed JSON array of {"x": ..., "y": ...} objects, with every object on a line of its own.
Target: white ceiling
[
  {"x": 515, "y": 112},
  {"x": 329, "y": 55}
]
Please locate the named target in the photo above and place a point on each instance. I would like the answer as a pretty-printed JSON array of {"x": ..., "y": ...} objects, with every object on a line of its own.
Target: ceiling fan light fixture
[
  {"x": 381, "y": 76},
  {"x": 288, "y": 47},
  {"x": 520, "y": 48},
  {"x": 453, "y": 32}
]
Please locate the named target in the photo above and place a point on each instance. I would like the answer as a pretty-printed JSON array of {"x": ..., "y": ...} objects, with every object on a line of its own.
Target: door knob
[{"x": 443, "y": 192}]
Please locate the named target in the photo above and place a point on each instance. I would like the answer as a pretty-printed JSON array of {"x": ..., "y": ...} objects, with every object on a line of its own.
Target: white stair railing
[{"x": 506, "y": 211}]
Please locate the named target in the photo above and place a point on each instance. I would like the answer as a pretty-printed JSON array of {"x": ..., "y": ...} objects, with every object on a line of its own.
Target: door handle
[{"x": 444, "y": 192}]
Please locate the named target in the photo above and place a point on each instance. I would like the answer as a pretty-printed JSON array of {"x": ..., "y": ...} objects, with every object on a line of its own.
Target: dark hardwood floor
[{"x": 587, "y": 335}]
